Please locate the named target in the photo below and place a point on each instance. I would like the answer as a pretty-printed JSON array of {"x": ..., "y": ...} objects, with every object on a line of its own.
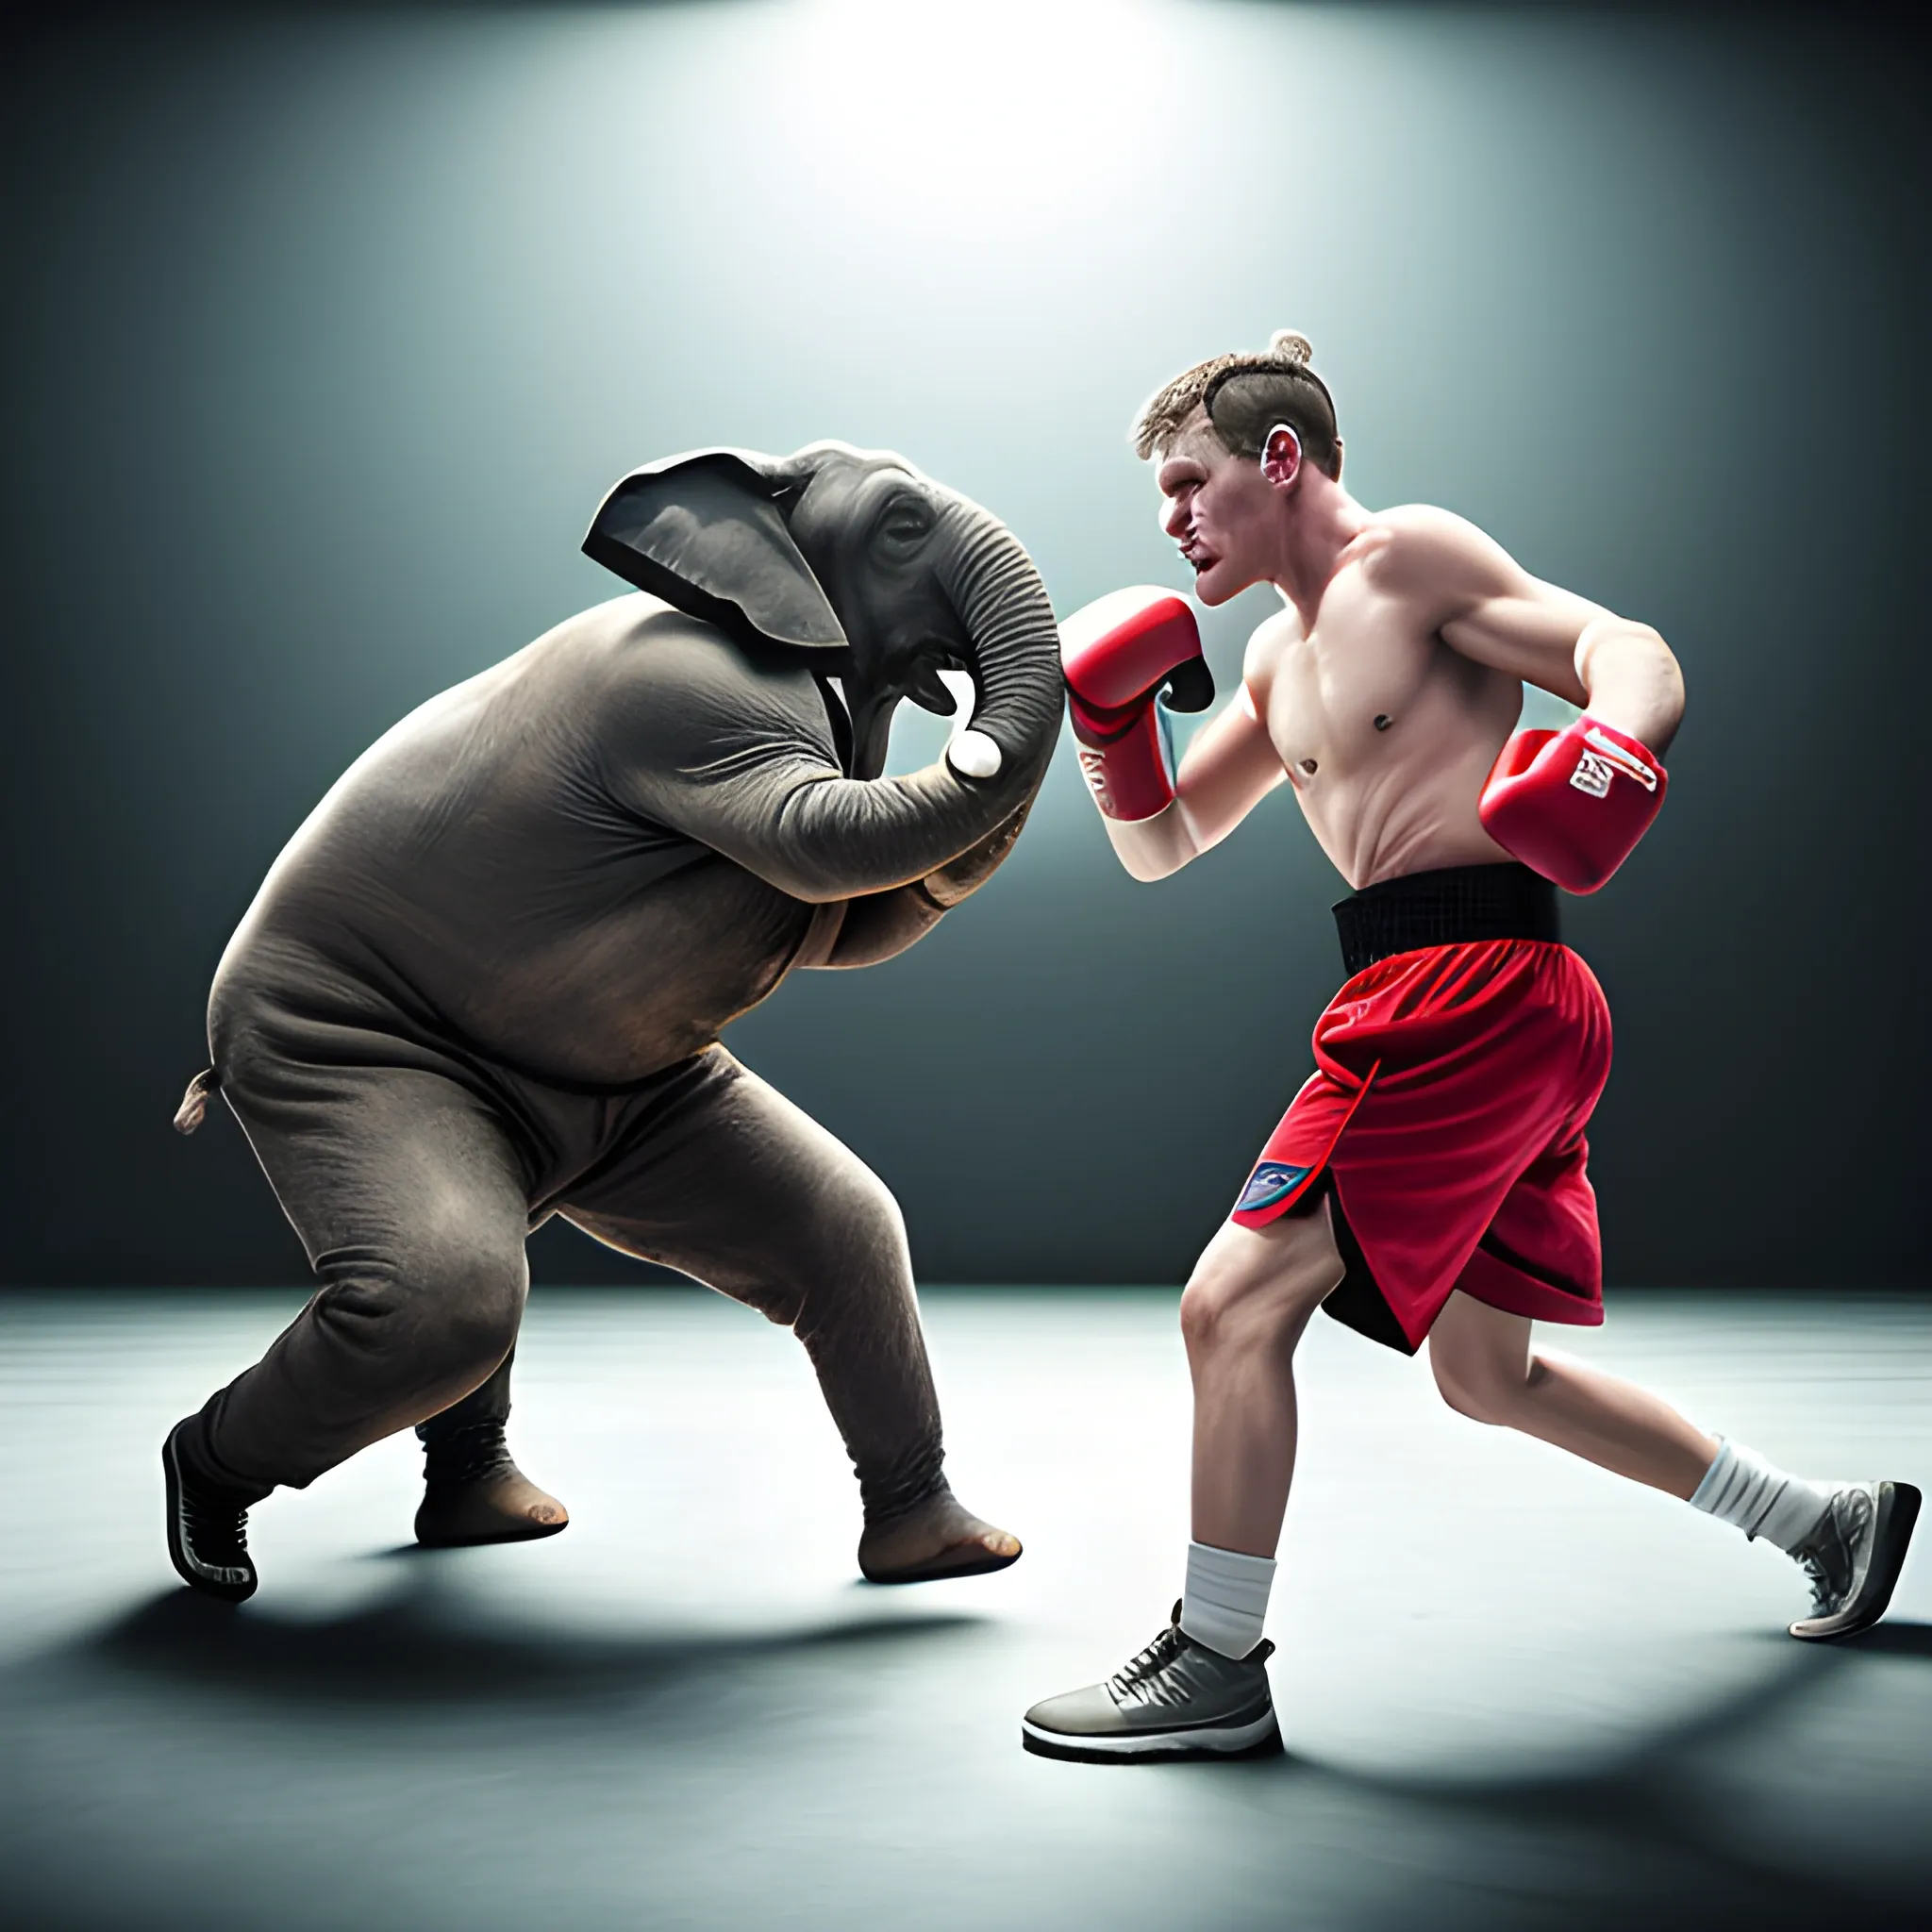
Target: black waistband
[{"x": 1444, "y": 909}]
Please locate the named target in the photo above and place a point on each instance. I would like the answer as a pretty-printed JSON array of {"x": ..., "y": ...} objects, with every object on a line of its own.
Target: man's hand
[
  {"x": 1117, "y": 644},
  {"x": 1571, "y": 804},
  {"x": 1116, "y": 653}
]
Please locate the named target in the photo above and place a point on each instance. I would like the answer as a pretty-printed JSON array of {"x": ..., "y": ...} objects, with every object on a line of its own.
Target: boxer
[{"x": 1428, "y": 1183}]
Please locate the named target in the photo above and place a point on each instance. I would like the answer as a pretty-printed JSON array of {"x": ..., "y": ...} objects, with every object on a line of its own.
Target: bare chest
[{"x": 1365, "y": 687}]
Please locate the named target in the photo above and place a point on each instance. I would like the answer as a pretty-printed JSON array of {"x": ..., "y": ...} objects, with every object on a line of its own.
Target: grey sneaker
[
  {"x": 1853, "y": 1558},
  {"x": 1176, "y": 1699}
]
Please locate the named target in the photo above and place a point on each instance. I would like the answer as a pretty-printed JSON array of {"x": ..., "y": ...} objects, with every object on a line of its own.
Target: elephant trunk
[{"x": 1013, "y": 649}]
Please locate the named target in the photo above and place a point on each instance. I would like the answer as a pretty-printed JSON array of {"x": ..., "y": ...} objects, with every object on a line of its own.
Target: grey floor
[{"x": 1515, "y": 1691}]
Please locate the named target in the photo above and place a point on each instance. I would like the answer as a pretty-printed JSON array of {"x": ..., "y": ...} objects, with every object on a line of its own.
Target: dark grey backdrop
[{"x": 324, "y": 333}]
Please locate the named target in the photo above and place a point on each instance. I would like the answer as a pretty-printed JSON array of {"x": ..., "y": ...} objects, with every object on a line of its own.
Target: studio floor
[{"x": 1515, "y": 1693}]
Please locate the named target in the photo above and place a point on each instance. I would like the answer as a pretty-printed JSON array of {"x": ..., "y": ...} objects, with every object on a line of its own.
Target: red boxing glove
[
  {"x": 1572, "y": 804},
  {"x": 1116, "y": 653}
]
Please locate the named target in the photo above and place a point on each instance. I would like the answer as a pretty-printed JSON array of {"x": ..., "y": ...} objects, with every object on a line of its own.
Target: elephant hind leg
[
  {"x": 732, "y": 1184},
  {"x": 472, "y": 1492},
  {"x": 409, "y": 1200}
]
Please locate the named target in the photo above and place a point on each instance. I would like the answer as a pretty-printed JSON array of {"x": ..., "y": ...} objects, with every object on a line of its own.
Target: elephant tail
[{"x": 189, "y": 1115}]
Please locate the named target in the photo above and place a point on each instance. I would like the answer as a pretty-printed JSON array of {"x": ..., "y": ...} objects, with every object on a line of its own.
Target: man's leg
[
  {"x": 727, "y": 1180},
  {"x": 411, "y": 1203},
  {"x": 1486, "y": 1370},
  {"x": 1849, "y": 1539},
  {"x": 1200, "y": 1689},
  {"x": 1243, "y": 1312}
]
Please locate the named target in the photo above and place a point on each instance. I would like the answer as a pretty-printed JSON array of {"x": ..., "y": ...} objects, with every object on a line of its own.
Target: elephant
[{"x": 485, "y": 981}]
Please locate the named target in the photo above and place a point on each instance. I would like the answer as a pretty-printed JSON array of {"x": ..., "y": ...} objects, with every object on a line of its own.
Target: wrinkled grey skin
[
  {"x": 589, "y": 858},
  {"x": 472, "y": 988}
]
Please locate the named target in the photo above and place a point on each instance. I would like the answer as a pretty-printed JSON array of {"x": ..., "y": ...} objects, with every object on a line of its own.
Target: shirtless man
[{"x": 1429, "y": 1181}]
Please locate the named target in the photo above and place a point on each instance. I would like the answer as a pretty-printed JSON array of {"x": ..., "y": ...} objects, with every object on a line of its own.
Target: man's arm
[
  {"x": 1571, "y": 804},
  {"x": 1118, "y": 655},
  {"x": 1486, "y": 605},
  {"x": 1227, "y": 769}
]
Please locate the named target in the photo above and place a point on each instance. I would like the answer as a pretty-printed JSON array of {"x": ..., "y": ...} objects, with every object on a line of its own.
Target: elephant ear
[{"x": 704, "y": 532}]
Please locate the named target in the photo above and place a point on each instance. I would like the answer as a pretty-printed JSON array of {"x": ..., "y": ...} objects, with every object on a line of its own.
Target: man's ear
[{"x": 1281, "y": 455}]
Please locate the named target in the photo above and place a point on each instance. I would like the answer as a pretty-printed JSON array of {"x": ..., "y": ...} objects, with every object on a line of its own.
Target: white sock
[
  {"x": 1743, "y": 1490},
  {"x": 1226, "y": 1599}
]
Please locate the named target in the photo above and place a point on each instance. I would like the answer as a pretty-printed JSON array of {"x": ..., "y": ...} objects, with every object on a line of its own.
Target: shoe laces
[
  {"x": 1151, "y": 1661},
  {"x": 1824, "y": 1593},
  {"x": 1148, "y": 1678},
  {"x": 1828, "y": 1560}
]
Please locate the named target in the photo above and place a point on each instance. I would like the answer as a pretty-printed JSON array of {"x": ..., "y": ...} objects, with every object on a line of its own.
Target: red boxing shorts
[{"x": 1446, "y": 1113}]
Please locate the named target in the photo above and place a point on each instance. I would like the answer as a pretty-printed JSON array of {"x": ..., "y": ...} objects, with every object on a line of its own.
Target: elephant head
[{"x": 880, "y": 576}]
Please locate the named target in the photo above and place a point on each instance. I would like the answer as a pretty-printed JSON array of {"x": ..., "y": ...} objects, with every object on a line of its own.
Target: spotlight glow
[{"x": 999, "y": 107}]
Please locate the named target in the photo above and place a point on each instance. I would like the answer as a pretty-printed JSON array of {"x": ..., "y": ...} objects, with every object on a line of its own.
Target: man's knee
[
  {"x": 1221, "y": 1305},
  {"x": 1477, "y": 1385},
  {"x": 1260, "y": 1289}
]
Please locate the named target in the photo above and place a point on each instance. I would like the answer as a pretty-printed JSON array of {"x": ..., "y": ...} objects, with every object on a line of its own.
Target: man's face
[{"x": 1220, "y": 510}]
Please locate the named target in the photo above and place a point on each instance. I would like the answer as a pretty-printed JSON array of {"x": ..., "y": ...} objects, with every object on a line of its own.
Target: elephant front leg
[
  {"x": 734, "y": 1185},
  {"x": 856, "y": 1313},
  {"x": 940, "y": 1538}
]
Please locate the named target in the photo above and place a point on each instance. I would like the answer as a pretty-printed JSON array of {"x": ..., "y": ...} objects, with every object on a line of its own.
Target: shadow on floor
[
  {"x": 1749, "y": 1810},
  {"x": 1892, "y": 1639},
  {"x": 422, "y": 1645},
  {"x": 1684, "y": 1791}
]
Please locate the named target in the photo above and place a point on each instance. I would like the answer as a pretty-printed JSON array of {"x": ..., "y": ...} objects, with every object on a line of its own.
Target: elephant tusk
[{"x": 974, "y": 755}]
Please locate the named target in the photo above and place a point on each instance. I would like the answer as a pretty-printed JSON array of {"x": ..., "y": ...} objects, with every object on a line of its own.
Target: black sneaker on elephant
[{"x": 208, "y": 1527}]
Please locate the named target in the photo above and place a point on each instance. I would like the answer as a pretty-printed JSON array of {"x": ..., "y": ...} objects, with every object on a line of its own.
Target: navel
[{"x": 1383, "y": 720}]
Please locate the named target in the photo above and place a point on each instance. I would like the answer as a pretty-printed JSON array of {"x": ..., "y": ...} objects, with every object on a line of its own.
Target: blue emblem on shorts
[{"x": 1271, "y": 1181}]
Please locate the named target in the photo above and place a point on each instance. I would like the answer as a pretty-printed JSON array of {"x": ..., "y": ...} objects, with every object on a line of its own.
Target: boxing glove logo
[
  {"x": 1597, "y": 767},
  {"x": 1592, "y": 775},
  {"x": 1522, "y": 803}
]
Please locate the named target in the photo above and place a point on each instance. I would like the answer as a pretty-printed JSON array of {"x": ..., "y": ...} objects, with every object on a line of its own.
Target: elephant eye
[{"x": 902, "y": 529}]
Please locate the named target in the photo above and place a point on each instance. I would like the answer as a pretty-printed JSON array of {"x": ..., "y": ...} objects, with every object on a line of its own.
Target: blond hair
[{"x": 1244, "y": 396}]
